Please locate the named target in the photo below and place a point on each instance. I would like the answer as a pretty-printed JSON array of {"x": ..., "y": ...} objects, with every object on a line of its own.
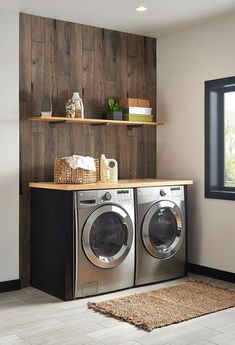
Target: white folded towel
[{"x": 75, "y": 161}]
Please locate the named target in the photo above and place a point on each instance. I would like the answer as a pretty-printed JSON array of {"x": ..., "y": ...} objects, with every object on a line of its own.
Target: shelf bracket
[
  {"x": 53, "y": 124},
  {"x": 130, "y": 127},
  {"x": 93, "y": 125}
]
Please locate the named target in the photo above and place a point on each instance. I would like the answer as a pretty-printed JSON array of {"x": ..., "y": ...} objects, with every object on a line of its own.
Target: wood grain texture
[
  {"x": 58, "y": 58},
  {"x": 132, "y": 183},
  {"x": 25, "y": 43}
]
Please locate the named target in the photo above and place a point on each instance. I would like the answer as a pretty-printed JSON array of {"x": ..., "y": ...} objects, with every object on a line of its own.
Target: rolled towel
[{"x": 86, "y": 163}]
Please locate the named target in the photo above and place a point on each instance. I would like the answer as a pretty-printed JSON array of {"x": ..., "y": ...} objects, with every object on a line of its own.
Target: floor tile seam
[
  {"x": 200, "y": 337},
  {"x": 212, "y": 342},
  {"x": 90, "y": 340},
  {"x": 20, "y": 337},
  {"x": 8, "y": 328},
  {"x": 123, "y": 334},
  {"x": 179, "y": 336},
  {"x": 212, "y": 328}
]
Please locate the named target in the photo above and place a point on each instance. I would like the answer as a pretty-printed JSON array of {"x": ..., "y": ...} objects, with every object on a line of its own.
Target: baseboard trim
[
  {"x": 10, "y": 285},
  {"x": 212, "y": 272}
]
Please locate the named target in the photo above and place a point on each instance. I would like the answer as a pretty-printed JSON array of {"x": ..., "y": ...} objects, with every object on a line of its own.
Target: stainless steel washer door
[
  {"x": 107, "y": 236},
  {"x": 163, "y": 229}
]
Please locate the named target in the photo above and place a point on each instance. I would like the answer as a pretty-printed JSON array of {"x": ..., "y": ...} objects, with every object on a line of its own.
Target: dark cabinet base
[{"x": 52, "y": 242}]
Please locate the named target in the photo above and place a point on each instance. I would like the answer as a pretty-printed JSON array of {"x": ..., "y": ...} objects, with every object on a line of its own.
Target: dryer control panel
[{"x": 149, "y": 194}]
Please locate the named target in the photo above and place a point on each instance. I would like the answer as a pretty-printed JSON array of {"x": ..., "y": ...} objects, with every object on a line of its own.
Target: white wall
[
  {"x": 185, "y": 60},
  {"x": 9, "y": 145}
]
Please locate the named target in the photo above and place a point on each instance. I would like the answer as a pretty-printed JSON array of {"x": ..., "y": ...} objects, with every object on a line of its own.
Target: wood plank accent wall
[{"x": 57, "y": 58}]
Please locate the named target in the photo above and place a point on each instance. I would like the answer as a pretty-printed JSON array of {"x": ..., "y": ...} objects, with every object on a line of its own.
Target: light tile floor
[{"x": 29, "y": 316}]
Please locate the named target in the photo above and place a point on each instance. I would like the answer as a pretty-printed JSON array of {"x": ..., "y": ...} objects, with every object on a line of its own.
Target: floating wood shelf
[
  {"x": 131, "y": 183},
  {"x": 93, "y": 122}
]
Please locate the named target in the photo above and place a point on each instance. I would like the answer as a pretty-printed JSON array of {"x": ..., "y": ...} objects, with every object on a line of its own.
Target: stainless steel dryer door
[
  {"x": 107, "y": 236},
  {"x": 163, "y": 229}
]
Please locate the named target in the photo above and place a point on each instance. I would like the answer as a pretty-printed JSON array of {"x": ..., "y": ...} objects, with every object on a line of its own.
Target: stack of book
[{"x": 136, "y": 109}]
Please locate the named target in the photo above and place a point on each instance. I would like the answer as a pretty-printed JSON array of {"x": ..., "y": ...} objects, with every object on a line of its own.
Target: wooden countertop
[{"x": 132, "y": 183}]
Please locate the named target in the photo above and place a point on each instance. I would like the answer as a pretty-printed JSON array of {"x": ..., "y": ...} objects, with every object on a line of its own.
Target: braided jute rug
[{"x": 163, "y": 307}]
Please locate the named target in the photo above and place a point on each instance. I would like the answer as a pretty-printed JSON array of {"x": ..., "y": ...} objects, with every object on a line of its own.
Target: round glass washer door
[
  {"x": 107, "y": 236},
  {"x": 163, "y": 229}
]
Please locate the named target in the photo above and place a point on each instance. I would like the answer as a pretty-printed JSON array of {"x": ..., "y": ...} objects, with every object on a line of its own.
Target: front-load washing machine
[
  {"x": 160, "y": 234},
  {"x": 104, "y": 241}
]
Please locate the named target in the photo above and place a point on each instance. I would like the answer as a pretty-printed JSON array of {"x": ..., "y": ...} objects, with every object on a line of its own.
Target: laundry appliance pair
[{"x": 126, "y": 238}]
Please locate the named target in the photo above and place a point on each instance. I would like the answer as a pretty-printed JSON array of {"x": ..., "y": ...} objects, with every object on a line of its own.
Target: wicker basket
[{"x": 63, "y": 173}]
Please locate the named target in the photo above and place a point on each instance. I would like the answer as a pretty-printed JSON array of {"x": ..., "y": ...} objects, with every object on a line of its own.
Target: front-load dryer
[
  {"x": 160, "y": 234},
  {"x": 104, "y": 241}
]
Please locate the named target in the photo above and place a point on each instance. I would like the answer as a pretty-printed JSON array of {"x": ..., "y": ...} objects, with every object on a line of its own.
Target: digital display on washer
[
  {"x": 175, "y": 188},
  {"x": 123, "y": 191}
]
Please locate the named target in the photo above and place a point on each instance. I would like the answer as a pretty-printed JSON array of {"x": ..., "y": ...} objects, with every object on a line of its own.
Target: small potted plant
[{"x": 113, "y": 109}]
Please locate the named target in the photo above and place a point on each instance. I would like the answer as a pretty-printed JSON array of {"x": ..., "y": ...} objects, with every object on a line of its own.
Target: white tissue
[{"x": 75, "y": 161}]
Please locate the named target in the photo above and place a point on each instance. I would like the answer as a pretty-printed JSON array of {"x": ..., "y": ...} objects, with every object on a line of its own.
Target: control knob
[
  {"x": 107, "y": 196},
  {"x": 162, "y": 192}
]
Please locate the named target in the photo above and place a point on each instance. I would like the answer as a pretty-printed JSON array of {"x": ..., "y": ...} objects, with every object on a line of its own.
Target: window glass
[
  {"x": 229, "y": 139},
  {"x": 220, "y": 138}
]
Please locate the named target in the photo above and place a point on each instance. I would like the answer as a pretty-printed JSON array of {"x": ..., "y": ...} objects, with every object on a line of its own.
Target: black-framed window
[{"x": 220, "y": 138}]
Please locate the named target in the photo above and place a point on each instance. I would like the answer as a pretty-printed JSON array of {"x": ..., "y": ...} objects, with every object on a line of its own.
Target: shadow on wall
[
  {"x": 194, "y": 223},
  {"x": 9, "y": 226}
]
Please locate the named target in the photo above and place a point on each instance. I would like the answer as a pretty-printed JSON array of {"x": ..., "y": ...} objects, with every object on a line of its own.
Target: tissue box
[{"x": 63, "y": 173}]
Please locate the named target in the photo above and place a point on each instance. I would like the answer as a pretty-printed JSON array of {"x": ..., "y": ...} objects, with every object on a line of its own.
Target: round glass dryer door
[
  {"x": 107, "y": 236},
  {"x": 163, "y": 229}
]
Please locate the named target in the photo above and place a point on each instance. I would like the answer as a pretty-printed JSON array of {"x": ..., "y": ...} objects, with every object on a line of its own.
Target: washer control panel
[
  {"x": 86, "y": 199},
  {"x": 118, "y": 196}
]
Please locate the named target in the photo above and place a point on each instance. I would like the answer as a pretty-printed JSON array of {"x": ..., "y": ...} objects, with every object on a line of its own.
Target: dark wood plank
[
  {"x": 25, "y": 57},
  {"x": 76, "y": 58},
  {"x": 150, "y": 61},
  {"x": 37, "y": 157},
  {"x": 63, "y": 34},
  {"x": 76, "y": 139},
  {"x": 64, "y": 92},
  {"x": 110, "y": 89},
  {"x": 132, "y": 77},
  {"x": 141, "y": 87},
  {"x": 25, "y": 146},
  {"x": 50, "y": 144},
  {"x": 142, "y": 143},
  {"x": 111, "y": 143},
  {"x": 99, "y": 141},
  {"x": 99, "y": 82},
  {"x": 50, "y": 70},
  {"x": 110, "y": 49},
  {"x": 88, "y": 141},
  {"x": 132, "y": 150},
  {"x": 151, "y": 92},
  {"x": 38, "y": 29},
  {"x": 121, "y": 65},
  {"x": 37, "y": 76},
  {"x": 151, "y": 153},
  {"x": 88, "y": 94},
  {"x": 132, "y": 45},
  {"x": 122, "y": 152},
  {"x": 88, "y": 37}
]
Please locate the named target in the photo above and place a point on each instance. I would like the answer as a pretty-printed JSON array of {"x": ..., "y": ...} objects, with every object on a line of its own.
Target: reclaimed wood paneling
[
  {"x": 25, "y": 43},
  {"x": 58, "y": 58},
  {"x": 50, "y": 61}
]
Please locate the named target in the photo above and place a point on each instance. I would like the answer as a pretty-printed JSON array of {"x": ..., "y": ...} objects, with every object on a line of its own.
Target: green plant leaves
[{"x": 113, "y": 105}]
